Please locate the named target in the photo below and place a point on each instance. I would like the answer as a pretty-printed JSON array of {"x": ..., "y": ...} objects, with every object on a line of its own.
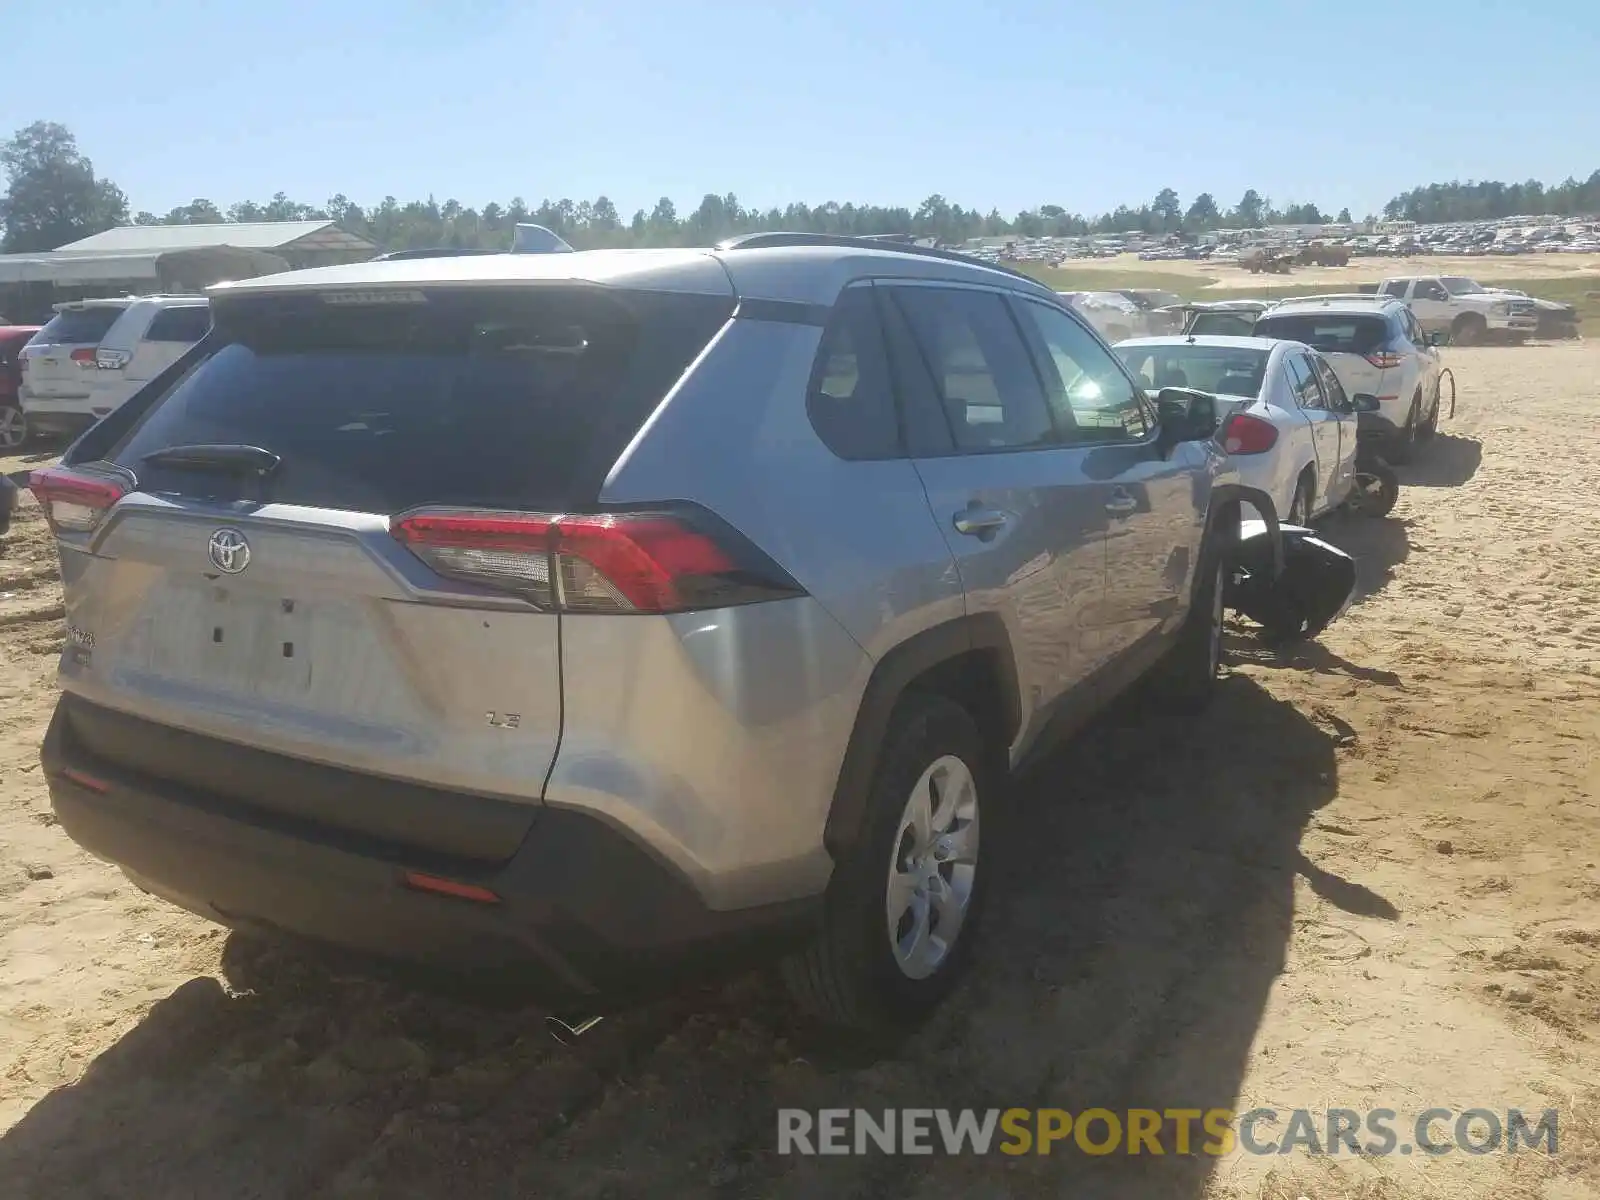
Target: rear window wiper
[{"x": 227, "y": 458}]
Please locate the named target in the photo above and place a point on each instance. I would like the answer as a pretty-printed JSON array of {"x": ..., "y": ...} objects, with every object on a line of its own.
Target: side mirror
[
  {"x": 1363, "y": 402},
  {"x": 1436, "y": 338},
  {"x": 1186, "y": 415}
]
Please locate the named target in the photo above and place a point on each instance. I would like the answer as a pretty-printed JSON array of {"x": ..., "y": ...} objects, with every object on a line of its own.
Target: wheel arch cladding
[{"x": 969, "y": 660}]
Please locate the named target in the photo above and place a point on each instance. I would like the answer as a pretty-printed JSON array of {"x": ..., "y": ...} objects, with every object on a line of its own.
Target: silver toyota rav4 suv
[{"x": 582, "y": 622}]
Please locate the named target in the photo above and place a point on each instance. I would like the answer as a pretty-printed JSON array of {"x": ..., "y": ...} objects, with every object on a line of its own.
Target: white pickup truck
[{"x": 1464, "y": 309}]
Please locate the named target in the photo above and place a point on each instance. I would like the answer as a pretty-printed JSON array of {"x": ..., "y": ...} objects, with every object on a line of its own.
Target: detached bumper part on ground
[
  {"x": 583, "y": 916},
  {"x": 1313, "y": 587}
]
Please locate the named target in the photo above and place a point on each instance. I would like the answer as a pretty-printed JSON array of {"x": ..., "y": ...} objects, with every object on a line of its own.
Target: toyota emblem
[{"x": 229, "y": 552}]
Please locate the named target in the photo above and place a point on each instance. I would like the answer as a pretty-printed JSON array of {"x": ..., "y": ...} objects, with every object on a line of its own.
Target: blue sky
[{"x": 1010, "y": 104}]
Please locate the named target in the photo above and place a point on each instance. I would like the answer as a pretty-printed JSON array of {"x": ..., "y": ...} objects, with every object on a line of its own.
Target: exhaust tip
[{"x": 568, "y": 1032}]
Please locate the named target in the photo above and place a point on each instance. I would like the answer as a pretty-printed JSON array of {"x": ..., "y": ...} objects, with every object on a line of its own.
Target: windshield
[
  {"x": 1221, "y": 370},
  {"x": 1457, "y": 286}
]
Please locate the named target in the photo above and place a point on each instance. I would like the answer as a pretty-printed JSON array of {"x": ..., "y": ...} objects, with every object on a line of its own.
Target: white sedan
[{"x": 1286, "y": 420}]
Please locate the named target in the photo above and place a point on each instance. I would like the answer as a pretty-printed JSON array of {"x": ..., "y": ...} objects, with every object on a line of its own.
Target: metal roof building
[
  {"x": 324, "y": 241},
  {"x": 136, "y": 259}
]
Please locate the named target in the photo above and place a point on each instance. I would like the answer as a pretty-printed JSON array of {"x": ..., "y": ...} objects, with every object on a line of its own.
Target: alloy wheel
[{"x": 13, "y": 427}]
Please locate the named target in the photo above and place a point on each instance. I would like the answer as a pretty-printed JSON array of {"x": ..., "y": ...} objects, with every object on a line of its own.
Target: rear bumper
[
  {"x": 585, "y": 918},
  {"x": 1520, "y": 323},
  {"x": 48, "y": 423}
]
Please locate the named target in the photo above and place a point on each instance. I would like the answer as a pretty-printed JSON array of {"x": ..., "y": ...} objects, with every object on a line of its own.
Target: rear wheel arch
[
  {"x": 1307, "y": 480},
  {"x": 1224, "y": 515},
  {"x": 968, "y": 660}
]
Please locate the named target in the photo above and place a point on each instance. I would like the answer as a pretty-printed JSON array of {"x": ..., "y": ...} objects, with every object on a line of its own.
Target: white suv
[
  {"x": 94, "y": 354},
  {"x": 1376, "y": 347}
]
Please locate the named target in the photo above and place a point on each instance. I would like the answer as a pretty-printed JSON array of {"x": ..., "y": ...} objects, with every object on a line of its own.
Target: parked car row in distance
[{"x": 94, "y": 354}]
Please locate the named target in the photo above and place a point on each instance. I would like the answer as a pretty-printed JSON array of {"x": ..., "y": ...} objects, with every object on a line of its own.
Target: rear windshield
[
  {"x": 1228, "y": 324},
  {"x": 77, "y": 326},
  {"x": 464, "y": 397},
  {"x": 1330, "y": 334},
  {"x": 1221, "y": 370}
]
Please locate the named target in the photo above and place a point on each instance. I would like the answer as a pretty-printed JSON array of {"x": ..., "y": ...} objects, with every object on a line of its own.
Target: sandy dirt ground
[
  {"x": 1231, "y": 277},
  {"x": 1369, "y": 877}
]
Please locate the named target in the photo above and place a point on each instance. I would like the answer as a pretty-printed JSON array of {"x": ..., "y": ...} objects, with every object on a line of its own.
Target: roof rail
[
  {"x": 901, "y": 243},
  {"x": 434, "y": 252},
  {"x": 1326, "y": 297}
]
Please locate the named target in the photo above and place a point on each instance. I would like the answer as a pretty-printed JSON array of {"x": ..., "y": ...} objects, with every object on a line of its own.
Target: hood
[{"x": 1542, "y": 305}]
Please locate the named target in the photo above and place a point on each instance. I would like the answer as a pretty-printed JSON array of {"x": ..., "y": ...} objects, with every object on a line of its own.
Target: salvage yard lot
[
  {"x": 1566, "y": 278},
  {"x": 1370, "y": 876}
]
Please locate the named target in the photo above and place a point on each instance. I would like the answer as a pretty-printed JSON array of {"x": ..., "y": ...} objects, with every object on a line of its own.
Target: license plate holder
[{"x": 257, "y": 643}]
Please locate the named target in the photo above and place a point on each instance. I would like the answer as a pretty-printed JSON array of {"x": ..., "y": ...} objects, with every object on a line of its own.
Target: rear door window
[
  {"x": 851, "y": 402},
  {"x": 1396, "y": 287},
  {"x": 186, "y": 323},
  {"x": 459, "y": 396},
  {"x": 981, "y": 369},
  {"x": 77, "y": 326}
]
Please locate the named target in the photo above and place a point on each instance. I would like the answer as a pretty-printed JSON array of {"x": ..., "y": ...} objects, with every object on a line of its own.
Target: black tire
[
  {"x": 1428, "y": 428},
  {"x": 848, "y": 976},
  {"x": 1402, "y": 447},
  {"x": 1186, "y": 679},
  {"x": 1469, "y": 329}
]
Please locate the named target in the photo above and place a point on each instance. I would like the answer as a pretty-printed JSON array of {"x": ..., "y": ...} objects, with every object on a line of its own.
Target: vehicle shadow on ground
[
  {"x": 1378, "y": 544},
  {"x": 1151, "y": 869},
  {"x": 1241, "y": 645},
  {"x": 1449, "y": 460}
]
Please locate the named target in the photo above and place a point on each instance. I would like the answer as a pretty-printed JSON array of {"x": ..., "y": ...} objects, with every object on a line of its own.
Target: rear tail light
[
  {"x": 112, "y": 360},
  {"x": 644, "y": 562},
  {"x": 84, "y": 356},
  {"x": 86, "y": 781},
  {"x": 449, "y": 887},
  {"x": 75, "y": 501},
  {"x": 1244, "y": 434},
  {"x": 1384, "y": 359}
]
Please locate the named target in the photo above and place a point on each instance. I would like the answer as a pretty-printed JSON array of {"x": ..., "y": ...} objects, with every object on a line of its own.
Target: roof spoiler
[
  {"x": 525, "y": 239},
  {"x": 536, "y": 239}
]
